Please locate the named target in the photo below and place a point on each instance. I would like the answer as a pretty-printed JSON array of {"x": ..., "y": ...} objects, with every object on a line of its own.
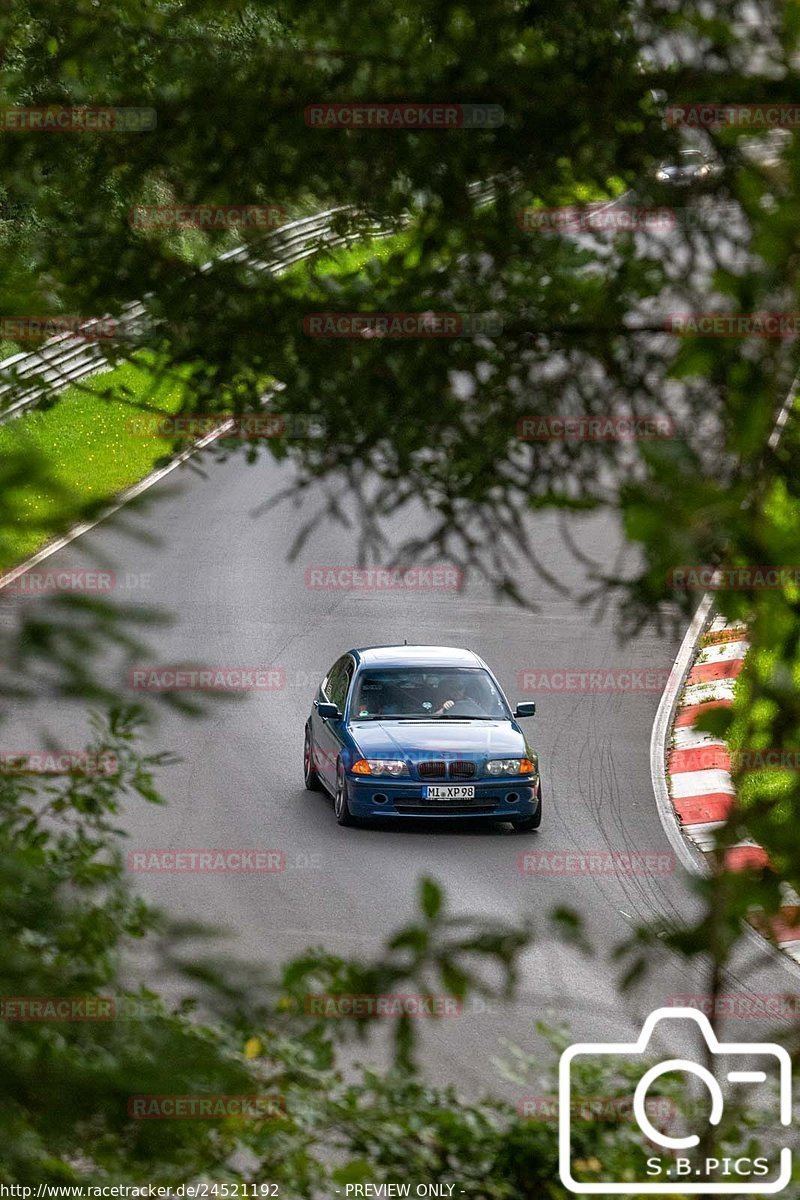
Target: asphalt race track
[{"x": 222, "y": 571}]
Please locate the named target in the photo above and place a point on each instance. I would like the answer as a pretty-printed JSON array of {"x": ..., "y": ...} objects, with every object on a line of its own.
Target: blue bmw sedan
[{"x": 420, "y": 731}]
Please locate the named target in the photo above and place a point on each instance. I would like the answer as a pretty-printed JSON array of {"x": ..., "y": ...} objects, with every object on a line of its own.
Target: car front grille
[
  {"x": 432, "y": 770},
  {"x": 439, "y": 769}
]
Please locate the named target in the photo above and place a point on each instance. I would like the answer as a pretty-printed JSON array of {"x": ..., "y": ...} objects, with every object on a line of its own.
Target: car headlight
[
  {"x": 380, "y": 766},
  {"x": 662, "y": 176},
  {"x": 510, "y": 766}
]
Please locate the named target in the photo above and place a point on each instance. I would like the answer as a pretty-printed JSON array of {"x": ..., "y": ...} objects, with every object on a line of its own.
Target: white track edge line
[{"x": 691, "y": 859}]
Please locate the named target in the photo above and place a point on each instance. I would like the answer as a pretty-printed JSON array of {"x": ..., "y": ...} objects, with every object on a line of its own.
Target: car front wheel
[
  {"x": 526, "y": 824},
  {"x": 341, "y": 805}
]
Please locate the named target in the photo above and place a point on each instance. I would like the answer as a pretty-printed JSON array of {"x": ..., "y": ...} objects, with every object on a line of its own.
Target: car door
[{"x": 329, "y": 734}]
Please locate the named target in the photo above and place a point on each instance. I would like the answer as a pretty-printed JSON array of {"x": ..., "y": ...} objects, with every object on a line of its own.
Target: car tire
[
  {"x": 312, "y": 780},
  {"x": 341, "y": 805},
  {"x": 526, "y": 824}
]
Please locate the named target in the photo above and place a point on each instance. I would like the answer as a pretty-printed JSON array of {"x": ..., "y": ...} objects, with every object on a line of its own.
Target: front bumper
[{"x": 505, "y": 799}]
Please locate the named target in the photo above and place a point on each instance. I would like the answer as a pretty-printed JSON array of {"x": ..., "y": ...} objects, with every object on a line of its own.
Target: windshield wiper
[
  {"x": 454, "y": 717},
  {"x": 401, "y": 717},
  {"x": 390, "y": 717}
]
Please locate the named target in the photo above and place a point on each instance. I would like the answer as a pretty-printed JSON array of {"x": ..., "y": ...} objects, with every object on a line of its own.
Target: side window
[
  {"x": 349, "y": 668},
  {"x": 338, "y": 681},
  {"x": 329, "y": 682}
]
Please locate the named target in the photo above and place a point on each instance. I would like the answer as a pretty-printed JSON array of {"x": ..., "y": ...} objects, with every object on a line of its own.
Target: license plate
[{"x": 435, "y": 792}]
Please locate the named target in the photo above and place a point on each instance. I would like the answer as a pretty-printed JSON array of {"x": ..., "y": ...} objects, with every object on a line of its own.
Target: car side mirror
[
  {"x": 328, "y": 712},
  {"x": 526, "y": 709}
]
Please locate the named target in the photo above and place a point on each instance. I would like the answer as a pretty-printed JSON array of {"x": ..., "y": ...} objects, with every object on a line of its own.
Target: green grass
[
  {"x": 345, "y": 259},
  {"x": 80, "y": 452}
]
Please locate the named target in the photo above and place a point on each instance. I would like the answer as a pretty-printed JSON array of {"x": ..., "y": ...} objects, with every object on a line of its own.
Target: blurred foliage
[
  {"x": 67, "y": 915},
  {"x": 582, "y": 91}
]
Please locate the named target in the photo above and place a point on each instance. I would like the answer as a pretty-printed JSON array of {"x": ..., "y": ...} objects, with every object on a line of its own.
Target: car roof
[{"x": 417, "y": 656}]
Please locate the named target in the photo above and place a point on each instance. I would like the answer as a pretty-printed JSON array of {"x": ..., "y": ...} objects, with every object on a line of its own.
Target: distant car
[
  {"x": 420, "y": 731},
  {"x": 690, "y": 169}
]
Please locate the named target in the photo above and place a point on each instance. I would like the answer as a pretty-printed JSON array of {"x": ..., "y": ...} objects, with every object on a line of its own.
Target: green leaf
[{"x": 431, "y": 899}]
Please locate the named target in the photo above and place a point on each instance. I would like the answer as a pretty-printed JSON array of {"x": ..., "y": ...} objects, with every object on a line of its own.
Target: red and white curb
[
  {"x": 698, "y": 764},
  {"x": 696, "y": 791}
]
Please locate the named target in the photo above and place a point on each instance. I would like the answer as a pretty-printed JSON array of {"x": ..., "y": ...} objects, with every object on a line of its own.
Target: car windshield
[
  {"x": 425, "y": 693},
  {"x": 691, "y": 158}
]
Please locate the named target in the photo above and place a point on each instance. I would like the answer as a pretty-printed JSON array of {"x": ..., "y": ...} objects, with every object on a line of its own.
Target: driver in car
[{"x": 462, "y": 702}]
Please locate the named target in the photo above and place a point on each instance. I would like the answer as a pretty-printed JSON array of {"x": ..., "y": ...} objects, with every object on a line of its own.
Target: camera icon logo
[{"x": 676, "y": 1170}]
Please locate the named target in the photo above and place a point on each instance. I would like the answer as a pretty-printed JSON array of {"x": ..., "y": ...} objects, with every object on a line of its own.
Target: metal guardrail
[
  {"x": 62, "y": 360},
  {"x": 29, "y": 375}
]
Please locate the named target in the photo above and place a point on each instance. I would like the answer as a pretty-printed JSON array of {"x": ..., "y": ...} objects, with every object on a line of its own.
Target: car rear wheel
[
  {"x": 312, "y": 779},
  {"x": 526, "y": 824},
  {"x": 341, "y": 805}
]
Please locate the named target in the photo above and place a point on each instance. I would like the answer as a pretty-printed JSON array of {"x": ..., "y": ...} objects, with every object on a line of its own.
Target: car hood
[{"x": 377, "y": 739}]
